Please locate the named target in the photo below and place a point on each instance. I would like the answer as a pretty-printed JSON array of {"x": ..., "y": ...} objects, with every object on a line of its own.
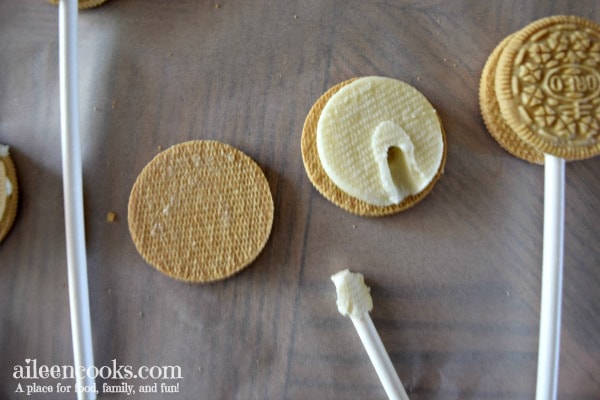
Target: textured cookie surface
[
  {"x": 200, "y": 211},
  {"x": 323, "y": 183},
  {"x": 548, "y": 86},
  {"x": 9, "y": 192},
  {"x": 490, "y": 111}
]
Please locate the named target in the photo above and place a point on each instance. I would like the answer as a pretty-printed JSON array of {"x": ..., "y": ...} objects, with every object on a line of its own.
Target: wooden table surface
[{"x": 455, "y": 280}]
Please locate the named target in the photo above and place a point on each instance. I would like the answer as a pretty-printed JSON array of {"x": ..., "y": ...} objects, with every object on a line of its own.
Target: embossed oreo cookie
[
  {"x": 548, "y": 86},
  {"x": 490, "y": 111}
]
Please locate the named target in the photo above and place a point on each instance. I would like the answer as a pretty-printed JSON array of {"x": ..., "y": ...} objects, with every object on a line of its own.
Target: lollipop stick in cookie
[
  {"x": 354, "y": 300},
  {"x": 73, "y": 197},
  {"x": 546, "y": 83},
  {"x": 552, "y": 276}
]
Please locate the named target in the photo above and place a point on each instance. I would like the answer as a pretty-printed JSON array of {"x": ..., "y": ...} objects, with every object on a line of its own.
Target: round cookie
[
  {"x": 548, "y": 85},
  {"x": 490, "y": 111},
  {"x": 83, "y": 4},
  {"x": 9, "y": 192},
  {"x": 200, "y": 211},
  {"x": 323, "y": 183}
]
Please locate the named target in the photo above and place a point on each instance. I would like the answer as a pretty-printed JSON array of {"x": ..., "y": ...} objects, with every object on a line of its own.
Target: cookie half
[
  {"x": 200, "y": 211},
  {"x": 326, "y": 186},
  {"x": 548, "y": 86},
  {"x": 9, "y": 192}
]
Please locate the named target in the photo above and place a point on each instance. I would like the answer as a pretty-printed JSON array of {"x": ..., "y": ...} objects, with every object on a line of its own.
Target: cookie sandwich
[{"x": 373, "y": 146}]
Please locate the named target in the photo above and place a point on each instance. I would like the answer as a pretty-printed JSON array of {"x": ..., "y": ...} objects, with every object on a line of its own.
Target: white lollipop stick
[
  {"x": 81, "y": 329},
  {"x": 552, "y": 276},
  {"x": 354, "y": 300}
]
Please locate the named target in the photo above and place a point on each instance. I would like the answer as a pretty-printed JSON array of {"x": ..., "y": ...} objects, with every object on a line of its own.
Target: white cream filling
[
  {"x": 353, "y": 296},
  {"x": 380, "y": 140}
]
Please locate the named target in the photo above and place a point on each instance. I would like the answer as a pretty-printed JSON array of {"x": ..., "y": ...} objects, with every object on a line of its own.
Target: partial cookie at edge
[
  {"x": 83, "y": 4},
  {"x": 10, "y": 211}
]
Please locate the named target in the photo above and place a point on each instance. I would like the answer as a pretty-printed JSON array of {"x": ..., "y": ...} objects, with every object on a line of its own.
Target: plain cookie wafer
[{"x": 200, "y": 211}]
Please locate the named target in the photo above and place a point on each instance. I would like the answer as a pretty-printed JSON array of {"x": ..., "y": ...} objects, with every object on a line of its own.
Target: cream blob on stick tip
[{"x": 354, "y": 300}]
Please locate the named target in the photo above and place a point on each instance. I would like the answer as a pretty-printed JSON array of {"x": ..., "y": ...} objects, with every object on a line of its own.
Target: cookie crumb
[
  {"x": 111, "y": 216},
  {"x": 217, "y": 5},
  {"x": 113, "y": 104}
]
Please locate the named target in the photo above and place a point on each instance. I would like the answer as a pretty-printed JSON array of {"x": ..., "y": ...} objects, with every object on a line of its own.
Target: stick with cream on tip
[{"x": 354, "y": 300}]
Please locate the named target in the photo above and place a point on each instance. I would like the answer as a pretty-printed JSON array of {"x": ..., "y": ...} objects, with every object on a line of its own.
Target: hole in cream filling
[
  {"x": 404, "y": 178},
  {"x": 399, "y": 172}
]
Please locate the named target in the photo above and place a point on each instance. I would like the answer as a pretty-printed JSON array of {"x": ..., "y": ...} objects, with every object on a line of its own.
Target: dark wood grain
[{"x": 455, "y": 280}]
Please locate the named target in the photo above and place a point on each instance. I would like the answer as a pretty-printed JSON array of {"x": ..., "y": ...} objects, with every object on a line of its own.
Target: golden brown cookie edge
[
  {"x": 83, "y": 4},
  {"x": 10, "y": 212}
]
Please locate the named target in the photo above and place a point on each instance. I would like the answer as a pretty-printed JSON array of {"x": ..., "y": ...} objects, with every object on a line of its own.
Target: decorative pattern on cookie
[
  {"x": 200, "y": 211},
  {"x": 373, "y": 146},
  {"x": 548, "y": 86}
]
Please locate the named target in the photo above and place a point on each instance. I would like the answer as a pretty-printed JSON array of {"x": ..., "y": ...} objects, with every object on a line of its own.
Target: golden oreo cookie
[
  {"x": 324, "y": 183},
  {"x": 9, "y": 192},
  {"x": 490, "y": 111},
  {"x": 200, "y": 211},
  {"x": 83, "y": 4},
  {"x": 548, "y": 86}
]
